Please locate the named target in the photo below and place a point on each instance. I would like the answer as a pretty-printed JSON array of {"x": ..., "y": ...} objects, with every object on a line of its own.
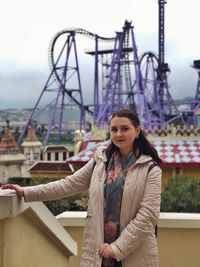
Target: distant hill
[{"x": 43, "y": 116}]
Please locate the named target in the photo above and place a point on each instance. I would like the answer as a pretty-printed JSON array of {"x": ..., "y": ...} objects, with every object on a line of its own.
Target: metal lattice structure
[
  {"x": 155, "y": 80},
  {"x": 166, "y": 107},
  {"x": 64, "y": 81},
  {"x": 195, "y": 104},
  {"x": 124, "y": 86},
  {"x": 123, "y": 81}
]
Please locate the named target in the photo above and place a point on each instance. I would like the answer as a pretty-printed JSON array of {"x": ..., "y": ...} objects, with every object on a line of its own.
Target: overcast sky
[{"x": 27, "y": 27}]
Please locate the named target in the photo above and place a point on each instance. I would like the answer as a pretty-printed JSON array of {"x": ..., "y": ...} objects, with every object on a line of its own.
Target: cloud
[
  {"x": 27, "y": 29},
  {"x": 21, "y": 87}
]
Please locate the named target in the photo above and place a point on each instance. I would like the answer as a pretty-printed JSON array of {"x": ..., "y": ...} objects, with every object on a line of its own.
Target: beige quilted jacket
[{"x": 136, "y": 245}]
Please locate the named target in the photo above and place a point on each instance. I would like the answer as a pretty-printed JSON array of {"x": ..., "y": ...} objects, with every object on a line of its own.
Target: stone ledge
[
  {"x": 166, "y": 219},
  {"x": 72, "y": 218},
  {"x": 12, "y": 206},
  {"x": 179, "y": 220}
]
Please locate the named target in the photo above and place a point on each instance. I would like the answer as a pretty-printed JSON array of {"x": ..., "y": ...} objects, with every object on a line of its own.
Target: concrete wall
[
  {"x": 32, "y": 154},
  {"x": 10, "y": 170},
  {"x": 53, "y": 155},
  {"x": 187, "y": 171},
  {"x": 74, "y": 223},
  {"x": 178, "y": 237},
  {"x": 179, "y": 240},
  {"x": 25, "y": 242},
  {"x": 77, "y": 234},
  {"x": 179, "y": 247},
  {"x": 31, "y": 236}
]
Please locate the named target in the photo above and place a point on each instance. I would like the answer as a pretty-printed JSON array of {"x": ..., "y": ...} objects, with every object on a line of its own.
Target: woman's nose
[{"x": 119, "y": 133}]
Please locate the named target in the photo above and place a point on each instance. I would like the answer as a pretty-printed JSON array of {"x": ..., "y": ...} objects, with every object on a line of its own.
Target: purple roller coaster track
[{"x": 126, "y": 80}]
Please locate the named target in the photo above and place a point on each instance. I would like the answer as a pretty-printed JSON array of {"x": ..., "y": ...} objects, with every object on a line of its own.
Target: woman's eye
[
  {"x": 113, "y": 130},
  {"x": 125, "y": 129}
]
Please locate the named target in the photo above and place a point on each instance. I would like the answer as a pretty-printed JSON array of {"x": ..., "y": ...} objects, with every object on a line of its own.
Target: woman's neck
[{"x": 124, "y": 154}]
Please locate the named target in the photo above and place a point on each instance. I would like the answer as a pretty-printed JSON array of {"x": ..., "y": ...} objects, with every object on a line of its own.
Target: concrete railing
[
  {"x": 178, "y": 237},
  {"x": 31, "y": 236}
]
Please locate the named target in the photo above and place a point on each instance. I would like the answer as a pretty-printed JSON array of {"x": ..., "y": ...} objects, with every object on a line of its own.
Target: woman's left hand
[
  {"x": 19, "y": 190},
  {"x": 106, "y": 251}
]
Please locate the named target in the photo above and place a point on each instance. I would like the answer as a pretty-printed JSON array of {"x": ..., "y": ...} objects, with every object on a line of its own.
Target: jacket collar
[
  {"x": 101, "y": 155},
  {"x": 143, "y": 159}
]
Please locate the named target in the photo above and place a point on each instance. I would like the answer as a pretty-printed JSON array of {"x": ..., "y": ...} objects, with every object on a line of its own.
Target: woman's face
[{"x": 123, "y": 134}]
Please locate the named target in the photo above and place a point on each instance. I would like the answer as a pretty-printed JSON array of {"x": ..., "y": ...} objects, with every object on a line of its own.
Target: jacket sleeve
[
  {"x": 145, "y": 220},
  {"x": 71, "y": 185}
]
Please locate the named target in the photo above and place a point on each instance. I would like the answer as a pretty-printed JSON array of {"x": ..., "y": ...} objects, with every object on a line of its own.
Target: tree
[{"x": 181, "y": 194}]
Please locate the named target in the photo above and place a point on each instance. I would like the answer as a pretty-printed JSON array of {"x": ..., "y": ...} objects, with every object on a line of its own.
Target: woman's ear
[{"x": 138, "y": 130}]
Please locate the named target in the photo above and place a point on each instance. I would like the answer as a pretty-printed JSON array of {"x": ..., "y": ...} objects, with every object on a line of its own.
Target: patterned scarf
[{"x": 113, "y": 191}]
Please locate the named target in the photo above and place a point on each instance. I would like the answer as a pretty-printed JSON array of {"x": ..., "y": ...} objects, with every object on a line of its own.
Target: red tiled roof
[
  {"x": 171, "y": 151},
  {"x": 88, "y": 144},
  {"x": 55, "y": 148},
  {"x": 87, "y": 154},
  {"x": 43, "y": 166},
  {"x": 8, "y": 143},
  {"x": 31, "y": 136}
]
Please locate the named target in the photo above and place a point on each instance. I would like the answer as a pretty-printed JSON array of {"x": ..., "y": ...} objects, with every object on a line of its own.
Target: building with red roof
[
  {"x": 180, "y": 155},
  {"x": 11, "y": 159}
]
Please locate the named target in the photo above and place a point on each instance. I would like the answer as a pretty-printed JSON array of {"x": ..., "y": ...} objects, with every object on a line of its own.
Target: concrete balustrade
[
  {"x": 31, "y": 236},
  {"x": 178, "y": 237}
]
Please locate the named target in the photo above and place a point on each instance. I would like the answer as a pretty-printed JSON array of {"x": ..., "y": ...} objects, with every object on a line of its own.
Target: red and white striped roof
[
  {"x": 171, "y": 151},
  {"x": 86, "y": 154}
]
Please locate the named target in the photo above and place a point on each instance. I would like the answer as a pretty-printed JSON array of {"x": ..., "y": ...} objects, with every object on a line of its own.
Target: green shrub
[{"x": 181, "y": 194}]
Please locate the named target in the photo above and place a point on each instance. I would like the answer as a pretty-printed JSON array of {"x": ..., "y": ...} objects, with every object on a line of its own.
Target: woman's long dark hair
[{"x": 141, "y": 145}]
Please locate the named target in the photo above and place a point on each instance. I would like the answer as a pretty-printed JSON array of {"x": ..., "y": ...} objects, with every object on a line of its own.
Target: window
[
  {"x": 64, "y": 155},
  {"x": 36, "y": 156},
  {"x": 48, "y": 156},
  {"x": 27, "y": 156},
  {"x": 56, "y": 156}
]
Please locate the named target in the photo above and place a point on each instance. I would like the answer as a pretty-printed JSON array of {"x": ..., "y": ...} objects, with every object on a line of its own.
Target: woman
[{"x": 124, "y": 183}]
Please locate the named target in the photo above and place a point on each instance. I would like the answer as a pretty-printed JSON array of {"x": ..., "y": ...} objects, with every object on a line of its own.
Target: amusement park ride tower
[
  {"x": 64, "y": 81},
  {"x": 155, "y": 71},
  {"x": 127, "y": 81},
  {"x": 195, "y": 104},
  {"x": 138, "y": 84},
  {"x": 124, "y": 87}
]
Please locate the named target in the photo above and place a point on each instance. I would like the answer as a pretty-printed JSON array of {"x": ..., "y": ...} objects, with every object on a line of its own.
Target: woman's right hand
[{"x": 19, "y": 190}]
